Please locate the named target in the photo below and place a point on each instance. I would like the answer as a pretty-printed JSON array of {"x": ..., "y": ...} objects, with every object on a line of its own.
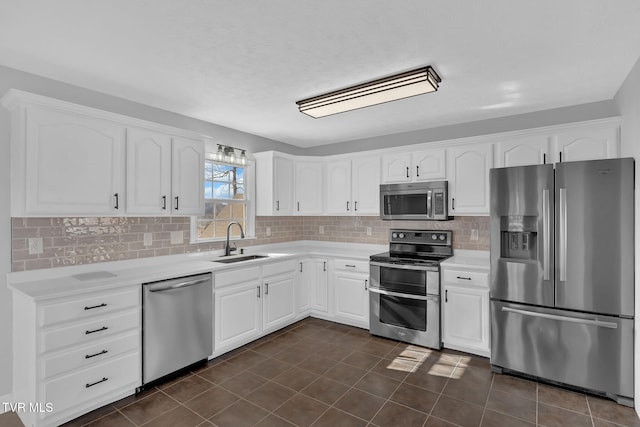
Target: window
[{"x": 227, "y": 198}]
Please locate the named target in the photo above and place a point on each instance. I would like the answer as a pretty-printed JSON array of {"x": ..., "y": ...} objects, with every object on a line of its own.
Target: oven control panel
[{"x": 432, "y": 237}]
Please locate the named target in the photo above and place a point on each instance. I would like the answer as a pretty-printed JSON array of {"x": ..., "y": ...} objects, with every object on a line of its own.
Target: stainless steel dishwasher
[{"x": 177, "y": 325}]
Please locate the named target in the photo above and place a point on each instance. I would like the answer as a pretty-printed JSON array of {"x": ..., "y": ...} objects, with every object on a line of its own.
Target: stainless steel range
[{"x": 405, "y": 287}]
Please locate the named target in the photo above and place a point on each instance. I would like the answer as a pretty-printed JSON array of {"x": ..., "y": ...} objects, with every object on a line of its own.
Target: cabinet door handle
[
  {"x": 544, "y": 159},
  {"x": 355, "y": 206},
  {"x": 347, "y": 205},
  {"x": 418, "y": 171},
  {"x": 104, "y": 328},
  {"x": 117, "y": 204},
  {"x": 446, "y": 295},
  {"x": 95, "y": 306},
  {"x": 300, "y": 267},
  {"x": 266, "y": 289},
  {"x": 453, "y": 203},
  {"x": 463, "y": 278},
  {"x": 97, "y": 382},
  {"x": 277, "y": 205},
  {"x": 407, "y": 171},
  {"x": 350, "y": 265},
  {"x": 177, "y": 202},
  {"x": 258, "y": 291},
  {"x": 560, "y": 155},
  {"x": 366, "y": 282},
  {"x": 89, "y": 356},
  {"x": 164, "y": 203},
  {"x": 298, "y": 206},
  {"x": 324, "y": 267}
]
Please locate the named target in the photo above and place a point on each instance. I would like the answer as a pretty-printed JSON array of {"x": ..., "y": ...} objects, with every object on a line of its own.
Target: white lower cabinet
[
  {"x": 75, "y": 354},
  {"x": 350, "y": 292},
  {"x": 312, "y": 289},
  {"x": 279, "y": 306},
  {"x": 465, "y": 310}
]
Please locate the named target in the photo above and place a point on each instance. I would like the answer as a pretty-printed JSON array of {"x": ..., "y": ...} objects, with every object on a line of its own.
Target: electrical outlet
[
  {"x": 147, "y": 239},
  {"x": 321, "y": 229},
  {"x": 268, "y": 231},
  {"x": 368, "y": 231},
  {"x": 35, "y": 246},
  {"x": 177, "y": 237},
  {"x": 474, "y": 234}
]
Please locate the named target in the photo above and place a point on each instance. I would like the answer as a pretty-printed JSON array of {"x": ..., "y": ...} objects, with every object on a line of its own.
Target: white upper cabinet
[
  {"x": 309, "y": 176},
  {"x": 148, "y": 172},
  {"x": 469, "y": 178},
  {"x": 68, "y": 159},
  {"x": 365, "y": 185},
  {"x": 587, "y": 143},
  {"x": 274, "y": 183},
  {"x": 423, "y": 165},
  {"x": 187, "y": 177},
  {"x": 73, "y": 164},
  {"x": 339, "y": 187},
  {"x": 353, "y": 186},
  {"x": 522, "y": 151}
]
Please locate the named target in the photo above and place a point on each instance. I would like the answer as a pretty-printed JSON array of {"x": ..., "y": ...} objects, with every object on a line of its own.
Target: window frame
[{"x": 250, "y": 206}]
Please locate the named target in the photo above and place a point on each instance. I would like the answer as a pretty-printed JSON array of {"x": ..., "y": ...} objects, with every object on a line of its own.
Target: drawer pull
[
  {"x": 89, "y": 356},
  {"x": 463, "y": 278},
  {"x": 97, "y": 382},
  {"x": 350, "y": 265},
  {"x": 95, "y": 306},
  {"x": 104, "y": 328}
]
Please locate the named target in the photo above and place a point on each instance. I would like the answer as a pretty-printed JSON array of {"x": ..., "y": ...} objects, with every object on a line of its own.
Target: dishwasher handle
[{"x": 178, "y": 285}]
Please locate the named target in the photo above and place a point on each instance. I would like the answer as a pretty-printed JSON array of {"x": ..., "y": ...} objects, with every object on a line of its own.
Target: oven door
[{"x": 404, "y": 303}]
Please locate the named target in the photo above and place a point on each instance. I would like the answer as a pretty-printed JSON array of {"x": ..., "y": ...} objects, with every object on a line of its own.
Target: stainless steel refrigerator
[{"x": 562, "y": 273}]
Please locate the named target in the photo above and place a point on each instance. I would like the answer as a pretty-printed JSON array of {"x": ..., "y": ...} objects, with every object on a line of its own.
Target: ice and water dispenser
[{"x": 518, "y": 237}]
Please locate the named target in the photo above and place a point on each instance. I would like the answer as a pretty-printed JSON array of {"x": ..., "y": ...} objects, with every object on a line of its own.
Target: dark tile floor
[{"x": 325, "y": 374}]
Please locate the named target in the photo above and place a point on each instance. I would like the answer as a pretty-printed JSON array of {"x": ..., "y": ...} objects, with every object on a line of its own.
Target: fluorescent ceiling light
[{"x": 403, "y": 85}]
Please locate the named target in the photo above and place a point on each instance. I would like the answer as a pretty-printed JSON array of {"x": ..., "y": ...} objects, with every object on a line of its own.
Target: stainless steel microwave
[{"x": 415, "y": 201}]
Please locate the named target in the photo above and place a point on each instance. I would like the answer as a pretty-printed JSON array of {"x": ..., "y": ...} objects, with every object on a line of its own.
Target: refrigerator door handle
[
  {"x": 545, "y": 233},
  {"x": 562, "y": 238},
  {"x": 610, "y": 325}
]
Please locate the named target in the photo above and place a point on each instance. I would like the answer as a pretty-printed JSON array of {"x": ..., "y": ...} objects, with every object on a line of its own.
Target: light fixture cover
[{"x": 399, "y": 86}]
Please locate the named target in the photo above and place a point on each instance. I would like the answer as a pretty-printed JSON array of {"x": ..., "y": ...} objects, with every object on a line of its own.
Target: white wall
[
  {"x": 11, "y": 78},
  {"x": 628, "y": 102}
]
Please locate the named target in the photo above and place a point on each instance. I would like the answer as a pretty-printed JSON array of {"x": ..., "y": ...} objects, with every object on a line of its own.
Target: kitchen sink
[{"x": 240, "y": 259}]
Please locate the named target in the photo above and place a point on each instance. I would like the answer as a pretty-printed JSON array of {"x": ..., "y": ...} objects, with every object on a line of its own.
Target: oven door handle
[
  {"x": 399, "y": 295},
  {"x": 403, "y": 266}
]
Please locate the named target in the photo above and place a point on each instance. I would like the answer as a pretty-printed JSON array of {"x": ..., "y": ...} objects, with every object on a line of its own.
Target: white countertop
[
  {"x": 465, "y": 259},
  {"x": 60, "y": 282}
]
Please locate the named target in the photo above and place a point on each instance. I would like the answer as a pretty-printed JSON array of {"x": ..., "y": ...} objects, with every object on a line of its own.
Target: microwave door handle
[{"x": 429, "y": 204}]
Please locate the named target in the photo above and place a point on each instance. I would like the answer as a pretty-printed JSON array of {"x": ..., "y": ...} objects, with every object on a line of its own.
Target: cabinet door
[
  {"x": 466, "y": 319},
  {"x": 352, "y": 298},
  {"x": 148, "y": 172},
  {"x": 313, "y": 279},
  {"x": 304, "y": 285},
  {"x": 187, "y": 177},
  {"x": 309, "y": 186},
  {"x": 279, "y": 306},
  {"x": 283, "y": 186},
  {"x": 523, "y": 151},
  {"x": 75, "y": 164},
  {"x": 429, "y": 165},
  {"x": 589, "y": 143},
  {"x": 469, "y": 179},
  {"x": 237, "y": 314},
  {"x": 339, "y": 187},
  {"x": 396, "y": 167},
  {"x": 365, "y": 173}
]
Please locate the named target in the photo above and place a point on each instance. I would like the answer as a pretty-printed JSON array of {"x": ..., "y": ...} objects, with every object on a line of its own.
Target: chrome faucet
[{"x": 227, "y": 249}]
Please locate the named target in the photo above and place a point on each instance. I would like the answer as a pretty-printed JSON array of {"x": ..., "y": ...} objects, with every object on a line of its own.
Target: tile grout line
[{"x": 486, "y": 402}]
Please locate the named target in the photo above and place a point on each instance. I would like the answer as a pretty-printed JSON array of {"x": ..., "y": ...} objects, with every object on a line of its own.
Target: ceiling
[{"x": 243, "y": 64}]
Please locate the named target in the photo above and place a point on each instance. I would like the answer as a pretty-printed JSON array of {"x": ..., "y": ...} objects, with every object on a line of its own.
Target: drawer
[
  {"x": 90, "y": 331},
  {"x": 85, "y": 307},
  {"x": 352, "y": 265},
  {"x": 276, "y": 268},
  {"x": 241, "y": 275},
  {"x": 73, "y": 389},
  {"x": 90, "y": 355},
  {"x": 470, "y": 278}
]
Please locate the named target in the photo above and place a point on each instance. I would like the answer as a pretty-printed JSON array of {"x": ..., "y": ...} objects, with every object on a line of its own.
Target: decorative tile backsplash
[{"x": 73, "y": 241}]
